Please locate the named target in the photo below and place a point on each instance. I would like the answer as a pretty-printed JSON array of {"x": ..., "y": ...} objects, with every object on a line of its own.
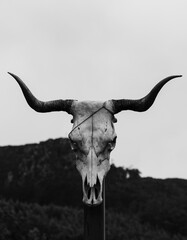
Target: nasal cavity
[
  {"x": 97, "y": 187},
  {"x": 86, "y": 185},
  {"x": 95, "y": 190}
]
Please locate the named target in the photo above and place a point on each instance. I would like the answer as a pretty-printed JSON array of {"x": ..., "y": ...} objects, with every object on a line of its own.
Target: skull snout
[
  {"x": 92, "y": 192},
  {"x": 93, "y": 171}
]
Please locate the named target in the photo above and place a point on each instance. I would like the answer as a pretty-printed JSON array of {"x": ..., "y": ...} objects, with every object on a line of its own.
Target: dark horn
[
  {"x": 40, "y": 106},
  {"x": 142, "y": 104}
]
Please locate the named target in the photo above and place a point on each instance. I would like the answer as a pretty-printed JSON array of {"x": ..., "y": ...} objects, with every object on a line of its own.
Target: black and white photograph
[{"x": 93, "y": 120}]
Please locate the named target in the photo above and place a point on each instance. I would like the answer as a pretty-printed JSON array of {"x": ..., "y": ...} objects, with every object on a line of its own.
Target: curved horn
[
  {"x": 142, "y": 104},
  {"x": 40, "y": 106}
]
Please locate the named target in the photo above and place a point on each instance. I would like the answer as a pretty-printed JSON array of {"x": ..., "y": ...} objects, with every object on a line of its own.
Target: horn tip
[
  {"x": 177, "y": 76},
  {"x": 11, "y": 74},
  {"x": 173, "y": 76},
  {"x": 14, "y": 76}
]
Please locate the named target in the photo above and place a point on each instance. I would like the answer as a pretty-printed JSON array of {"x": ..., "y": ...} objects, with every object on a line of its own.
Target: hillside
[{"x": 39, "y": 186}]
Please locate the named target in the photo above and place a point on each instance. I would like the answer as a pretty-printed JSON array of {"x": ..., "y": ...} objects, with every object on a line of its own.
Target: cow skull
[
  {"x": 93, "y": 136},
  {"x": 92, "y": 139}
]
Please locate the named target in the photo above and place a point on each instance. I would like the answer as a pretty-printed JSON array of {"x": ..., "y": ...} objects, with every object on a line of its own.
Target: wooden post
[{"x": 94, "y": 220}]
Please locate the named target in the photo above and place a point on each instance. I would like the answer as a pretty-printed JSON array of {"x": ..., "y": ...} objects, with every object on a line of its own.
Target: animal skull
[
  {"x": 93, "y": 136},
  {"x": 92, "y": 139}
]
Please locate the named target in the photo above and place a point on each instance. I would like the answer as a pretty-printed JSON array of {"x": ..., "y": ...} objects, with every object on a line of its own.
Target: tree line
[{"x": 41, "y": 198}]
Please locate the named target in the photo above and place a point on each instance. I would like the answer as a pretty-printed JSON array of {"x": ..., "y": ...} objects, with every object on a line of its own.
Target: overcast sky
[{"x": 99, "y": 50}]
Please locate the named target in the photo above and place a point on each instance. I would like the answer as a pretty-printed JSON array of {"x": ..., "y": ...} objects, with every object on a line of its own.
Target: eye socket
[
  {"x": 112, "y": 144},
  {"x": 114, "y": 140},
  {"x": 73, "y": 144}
]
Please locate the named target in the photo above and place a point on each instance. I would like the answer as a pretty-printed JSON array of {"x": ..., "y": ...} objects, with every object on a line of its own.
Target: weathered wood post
[{"x": 94, "y": 220}]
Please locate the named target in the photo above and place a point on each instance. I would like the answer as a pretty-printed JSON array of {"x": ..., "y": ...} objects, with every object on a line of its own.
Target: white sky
[{"x": 98, "y": 50}]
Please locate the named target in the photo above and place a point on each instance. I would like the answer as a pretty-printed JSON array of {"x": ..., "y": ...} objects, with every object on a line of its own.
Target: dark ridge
[{"x": 45, "y": 174}]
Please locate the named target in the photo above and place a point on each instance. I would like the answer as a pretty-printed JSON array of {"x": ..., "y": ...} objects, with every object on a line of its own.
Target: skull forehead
[
  {"x": 92, "y": 115},
  {"x": 93, "y": 123},
  {"x": 83, "y": 109}
]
